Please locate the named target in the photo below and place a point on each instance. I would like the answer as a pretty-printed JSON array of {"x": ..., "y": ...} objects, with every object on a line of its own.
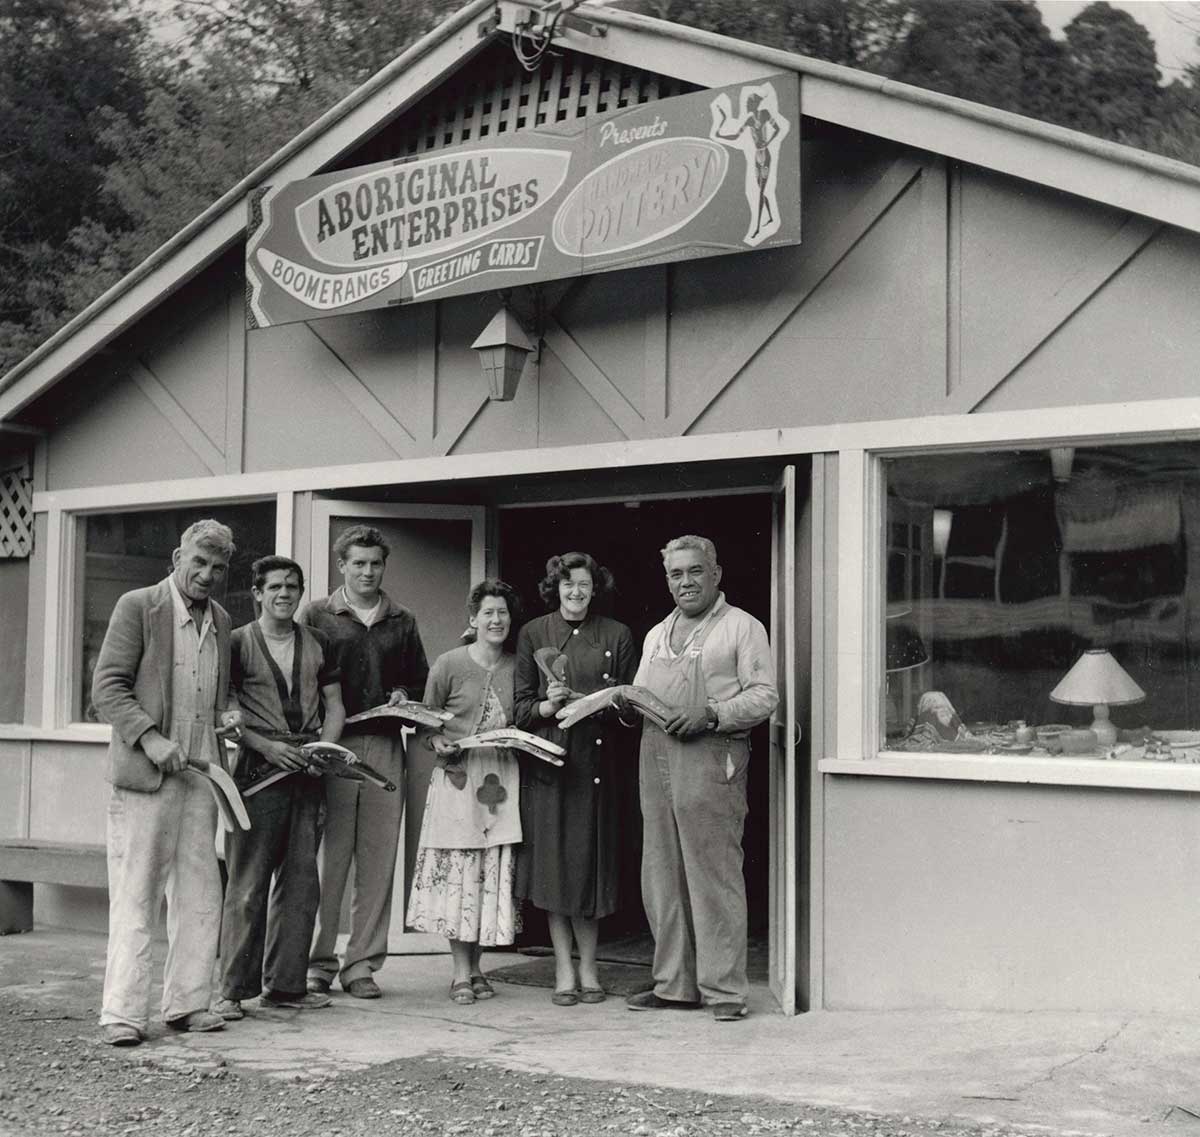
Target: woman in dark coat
[{"x": 567, "y": 864}]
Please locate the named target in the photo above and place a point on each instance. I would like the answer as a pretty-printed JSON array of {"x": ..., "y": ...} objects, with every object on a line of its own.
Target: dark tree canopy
[{"x": 111, "y": 142}]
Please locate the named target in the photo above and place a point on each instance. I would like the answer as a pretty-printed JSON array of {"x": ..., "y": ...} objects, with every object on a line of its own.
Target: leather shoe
[
  {"x": 564, "y": 998},
  {"x": 318, "y": 986},
  {"x": 365, "y": 988},
  {"x": 309, "y": 1001},
  {"x": 728, "y": 1012},
  {"x": 120, "y": 1034},
  {"x": 229, "y": 1009},
  {"x": 197, "y": 1022},
  {"x": 592, "y": 995},
  {"x": 649, "y": 1001}
]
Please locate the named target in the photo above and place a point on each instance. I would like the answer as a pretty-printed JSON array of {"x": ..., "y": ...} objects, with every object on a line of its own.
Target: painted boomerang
[
  {"x": 410, "y": 711},
  {"x": 641, "y": 699},
  {"x": 334, "y": 759},
  {"x": 552, "y": 663},
  {"x": 515, "y": 739}
]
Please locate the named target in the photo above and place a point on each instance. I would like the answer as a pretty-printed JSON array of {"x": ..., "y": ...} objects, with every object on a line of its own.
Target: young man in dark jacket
[{"x": 382, "y": 658}]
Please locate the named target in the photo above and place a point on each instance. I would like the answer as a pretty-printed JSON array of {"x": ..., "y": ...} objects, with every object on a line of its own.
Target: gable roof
[{"x": 1101, "y": 171}]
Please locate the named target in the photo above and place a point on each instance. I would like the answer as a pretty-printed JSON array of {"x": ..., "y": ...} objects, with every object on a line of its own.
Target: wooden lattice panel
[
  {"x": 494, "y": 95},
  {"x": 16, "y": 513}
]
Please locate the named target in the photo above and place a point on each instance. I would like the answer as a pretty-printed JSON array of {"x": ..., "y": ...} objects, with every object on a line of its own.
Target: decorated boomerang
[
  {"x": 334, "y": 759},
  {"x": 640, "y": 698},
  {"x": 410, "y": 711},
  {"x": 515, "y": 739},
  {"x": 552, "y": 663}
]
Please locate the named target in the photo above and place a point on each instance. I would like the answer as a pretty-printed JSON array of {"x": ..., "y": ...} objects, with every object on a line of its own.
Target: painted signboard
[{"x": 697, "y": 175}]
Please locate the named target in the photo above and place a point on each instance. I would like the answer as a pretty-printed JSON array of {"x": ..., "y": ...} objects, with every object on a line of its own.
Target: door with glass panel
[{"x": 437, "y": 553}]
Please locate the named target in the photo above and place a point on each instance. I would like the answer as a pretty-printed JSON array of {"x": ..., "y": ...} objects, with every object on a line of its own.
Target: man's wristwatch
[{"x": 711, "y": 720}]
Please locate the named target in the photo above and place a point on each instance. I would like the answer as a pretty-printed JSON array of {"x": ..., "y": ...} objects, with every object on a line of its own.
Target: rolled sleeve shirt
[
  {"x": 736, "y": 661},
  {"x": 194, "y": 678}
]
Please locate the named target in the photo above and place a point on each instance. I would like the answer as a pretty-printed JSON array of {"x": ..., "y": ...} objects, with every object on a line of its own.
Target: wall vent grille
[
  {"x": 16, "y": 513},
  {"x": 493, "y": 95}
]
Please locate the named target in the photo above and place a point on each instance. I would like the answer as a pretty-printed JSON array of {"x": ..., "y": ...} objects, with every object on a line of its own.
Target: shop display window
[
  {"x": 1041, "y": 603},
  {"x": 122, "y": 551}
]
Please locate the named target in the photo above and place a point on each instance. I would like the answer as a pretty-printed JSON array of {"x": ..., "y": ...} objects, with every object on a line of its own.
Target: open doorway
[{"x": 627, "y": 537}]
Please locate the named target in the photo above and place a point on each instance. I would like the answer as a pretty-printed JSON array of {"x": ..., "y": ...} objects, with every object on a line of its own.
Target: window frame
[
  {"x": 862, "y": 546},
  {"x": 65, "y": 568}
]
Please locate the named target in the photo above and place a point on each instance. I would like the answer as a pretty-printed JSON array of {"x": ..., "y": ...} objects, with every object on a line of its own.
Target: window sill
[
  {"x": 1033, "y": 771},
  {"x": 98, "y": 733}
]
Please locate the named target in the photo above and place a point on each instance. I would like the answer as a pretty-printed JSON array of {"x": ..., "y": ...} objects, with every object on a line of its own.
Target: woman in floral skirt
[{"x": 463, "y": 879}]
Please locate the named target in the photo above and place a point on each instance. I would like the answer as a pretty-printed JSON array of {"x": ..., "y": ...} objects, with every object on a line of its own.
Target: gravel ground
[{"x": 56, "y": 1077}]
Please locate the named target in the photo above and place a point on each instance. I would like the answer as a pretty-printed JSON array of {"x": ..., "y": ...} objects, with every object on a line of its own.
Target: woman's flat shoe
[
  {"x": 592, "y": 995},
  {"x": 564, "y": 998},
  {"x": 481, "y": 987},
  {"x": 461, "y": 993}
]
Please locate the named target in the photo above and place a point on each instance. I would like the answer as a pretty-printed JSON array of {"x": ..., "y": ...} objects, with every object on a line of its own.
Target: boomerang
[
  {"x": 514, "y": 739},
  {"x": 643, "y": 700},
  {"x": 409, "y": 711},
  {"x": 329, "y": 757}
]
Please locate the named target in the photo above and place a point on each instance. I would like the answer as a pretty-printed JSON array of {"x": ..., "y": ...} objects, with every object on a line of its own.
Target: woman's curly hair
[
  {"x": 493, "y": 587},
  {"x": 559, "y": 568}
]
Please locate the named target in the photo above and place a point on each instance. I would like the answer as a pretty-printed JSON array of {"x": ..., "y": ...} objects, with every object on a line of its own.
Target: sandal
[
  {"x": 564, "y": 998},
  {"x": 461, "y": 993},
  {"x": 592, "y": 995},
  {"x": 481, "y": 988}
]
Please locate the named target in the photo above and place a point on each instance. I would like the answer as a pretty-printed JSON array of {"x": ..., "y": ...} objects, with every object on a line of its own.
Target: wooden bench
[{"x": 24, "y": 861}]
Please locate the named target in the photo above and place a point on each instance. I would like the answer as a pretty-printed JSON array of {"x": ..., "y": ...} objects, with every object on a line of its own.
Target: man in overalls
[{"x": 712, "y": 665}]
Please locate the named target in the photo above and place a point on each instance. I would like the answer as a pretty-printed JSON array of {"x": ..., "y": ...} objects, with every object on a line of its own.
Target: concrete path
[{"x": 1060, "y": 1072}]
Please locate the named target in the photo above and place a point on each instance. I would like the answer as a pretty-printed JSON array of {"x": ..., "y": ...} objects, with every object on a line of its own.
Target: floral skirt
[{"x": 465, "y": 894}]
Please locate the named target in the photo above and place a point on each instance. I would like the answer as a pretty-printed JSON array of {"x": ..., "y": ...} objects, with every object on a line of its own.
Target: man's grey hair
[
  {"x": 211, "y": 535},
  {"x": 702, "y": 544}
]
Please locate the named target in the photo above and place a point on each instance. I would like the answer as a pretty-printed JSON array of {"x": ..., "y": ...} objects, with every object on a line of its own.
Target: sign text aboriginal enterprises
[{"x": 702, "y": 174}]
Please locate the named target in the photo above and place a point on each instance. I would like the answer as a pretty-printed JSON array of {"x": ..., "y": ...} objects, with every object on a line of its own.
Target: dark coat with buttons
[{"x": 570, "y": 815}]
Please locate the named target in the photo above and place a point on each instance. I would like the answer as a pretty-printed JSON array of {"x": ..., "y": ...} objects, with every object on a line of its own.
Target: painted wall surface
[
  {"x": 14, "y": 787},
  {"x": 14, "y": 603},
  {"x": 68, "y": 798},
  {"x": 1009, "y": 897},
  {"x": 921, "y": 288}
]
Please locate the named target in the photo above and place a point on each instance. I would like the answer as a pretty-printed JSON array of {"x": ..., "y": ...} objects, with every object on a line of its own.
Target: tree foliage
[
  {"x": 111, "y": 142},
  {"x": 61, "y": 63}
]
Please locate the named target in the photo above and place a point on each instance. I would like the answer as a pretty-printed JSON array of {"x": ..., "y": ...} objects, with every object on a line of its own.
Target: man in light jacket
[{"x": 162, "y": 681}]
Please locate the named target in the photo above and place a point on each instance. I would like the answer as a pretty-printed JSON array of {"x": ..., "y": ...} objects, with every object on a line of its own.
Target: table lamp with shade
[{"x": 1098, "y": 681}]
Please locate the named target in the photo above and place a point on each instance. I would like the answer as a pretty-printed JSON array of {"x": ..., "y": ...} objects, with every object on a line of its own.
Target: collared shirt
[
  {"x": 735, "y": 659},
  {"x": 373, "y": 660},
  {"x": 194, "y": 677}
]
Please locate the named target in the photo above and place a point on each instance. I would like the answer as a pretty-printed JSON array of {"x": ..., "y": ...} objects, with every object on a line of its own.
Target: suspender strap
[{"x": 293, "y": 712}]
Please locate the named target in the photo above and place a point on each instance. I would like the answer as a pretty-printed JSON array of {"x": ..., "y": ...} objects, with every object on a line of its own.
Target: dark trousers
[{"x": 265, "y": 930}]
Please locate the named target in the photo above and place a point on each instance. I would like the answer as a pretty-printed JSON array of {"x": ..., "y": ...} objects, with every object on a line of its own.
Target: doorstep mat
[{"x": 615, "y": 978}]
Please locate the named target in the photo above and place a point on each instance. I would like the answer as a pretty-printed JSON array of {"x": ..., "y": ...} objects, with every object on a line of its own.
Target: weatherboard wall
[{"x": 919, "y": 289}]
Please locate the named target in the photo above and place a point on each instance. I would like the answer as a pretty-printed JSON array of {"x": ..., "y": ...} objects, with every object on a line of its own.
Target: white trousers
[{"x": 161, "y": 844}]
